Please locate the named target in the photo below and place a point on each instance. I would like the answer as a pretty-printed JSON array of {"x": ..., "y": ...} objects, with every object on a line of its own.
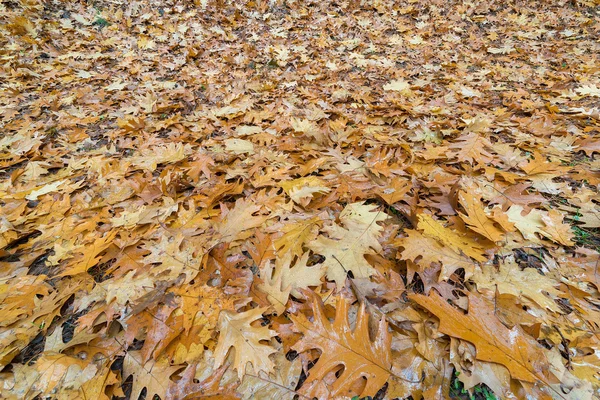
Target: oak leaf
[
  {"x": 555, "y": 229},
  {"x": 89, "y": 256},
  {"x": 345, "y": 248},
  {"x": 271, "y": 284},
  {"x": 396, "y": 190},
  {"x": 472, "y": 147},
  {"x": 150, "y": 158},
  {"x": 301, "y": 190},
  {"x": 494, "y": 342},
  {"x": 508, "y": 278},
  {"x": 53, "y": 373},
  {"x": 546, "y": 223},
  {"x": 398, "y": 85},
  {"x": 236, "y": 223},
  {"x": 295, "y": 235},
  {"x": 538, "y": 164},
  {"x": 340, "y": 346},
  {"x": 300, "y": 275},
  {"x": 448, "y": 237},
  {"x": 477, "y": 219},
  {"x": 589, "y": 145},
  {"x": 188, "y": 388},
  {"x": 153, "y": 375},
  {"x": 279, "y": 385},
  {"x": 428, "y": 251},
  {"x": 236, "y": 331},
  {"x": 515, "y": 195}
]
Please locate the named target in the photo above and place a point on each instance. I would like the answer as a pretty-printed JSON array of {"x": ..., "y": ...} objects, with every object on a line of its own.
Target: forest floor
[{"x": 299, "y": 199}]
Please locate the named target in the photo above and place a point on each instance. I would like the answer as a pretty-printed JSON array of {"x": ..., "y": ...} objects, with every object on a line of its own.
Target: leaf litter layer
[{"x": 294, "y": 199}]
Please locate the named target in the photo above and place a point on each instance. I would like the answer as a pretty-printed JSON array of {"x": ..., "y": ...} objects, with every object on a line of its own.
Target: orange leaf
[
  {"x": 342, "y": 346},
  {"x": 477, "y": 219},
  {"x": 521, "y": 355}
]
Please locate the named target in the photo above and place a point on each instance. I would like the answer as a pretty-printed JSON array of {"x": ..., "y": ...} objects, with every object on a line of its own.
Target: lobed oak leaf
[
  {"x": 589, "y": 145},
  {"x": 166, "y": 325},
  {"x": 345, "y": 248},
  {"x": 53, "y": 375},
  {"x": 508, "y": 278},
  {"x": 45, "y": 189},
  {"x": 589, "y": 90},
  {"x": 473, "y": 372},
  {"x": 471, "y": 147},
  {"x": 296, "y": 235},
  {"x": 150, "y": 158},
  {"x": 271, "y": 284},
  {"x": 20, "y": 297},
  {"x": 105, "y": 385},
  {"x": 457, "y": 242},
  {"x": 187, "y": 388},
  {"x": 310, "y": 128},
  {"x": 236, "y": 223},
  {"x": 477, "y": 219},
  {"x": 538, "y": 164},
  {"x": 153, "y": 375},
  {"x": 396, "y": 190},
  {"x": 555, "y": 229},
  {"x": 341, "y": 346},
  {"x": 398, "y": 85},
  {"x": 279, "y": 385},
  {"x": 300, "y": 275},
  {"x": 521, "y": 355},
  {"x": 239, "y": 146},
  {"x": 261, "y": 249},
  {"x": 514, "y": 195},
  {"x": 236, "y": 331},
  {"x": 548, "y": 224},
  {"x": 118, "y": 293},
  {"x": 301, "y": 190},
  {"x": 173, "y": 256},
  {"x": 429, "y": 251}
]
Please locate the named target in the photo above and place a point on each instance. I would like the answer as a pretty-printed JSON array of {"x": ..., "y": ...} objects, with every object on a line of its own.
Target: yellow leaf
[
  {"x": 296, "y": 235},
  {"x": 236, "y": 331},
  {"x": 301, "y": 190},
  {"x": 508, "y": 278},
  {"x": 477, "y": 219},
  {"x": 345, "y": 247},
  {"x": 239, "y": 146},
  {"x": 398, "y": 85},
  {"x": 451, "y": 238},
  {"x": 431, "y": 251}
]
